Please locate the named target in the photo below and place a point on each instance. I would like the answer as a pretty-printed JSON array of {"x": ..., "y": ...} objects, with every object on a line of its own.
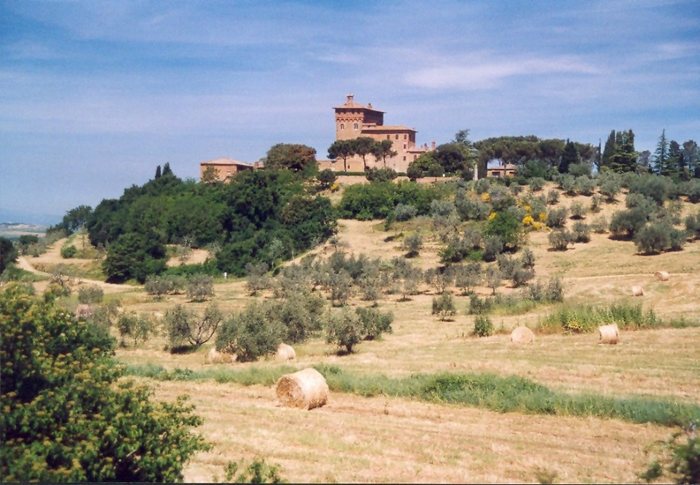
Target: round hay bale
[
  {"x": 522, "y": 335},
  {"x": 662, "y": 275},
  {"x": 637, "y": 291},
  {"x": 306, "y": 389},
  {"x": 285, "y": 352},
  {"x": 609, "y": 334},
  {"x": 216, "y": 357},
  {"x": 84, "y": 311}
]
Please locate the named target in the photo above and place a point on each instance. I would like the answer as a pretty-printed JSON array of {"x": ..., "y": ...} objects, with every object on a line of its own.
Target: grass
[
  {"x": 489, "y": 391},
  {"x": 14, "y": 273},
  {"x": 586, "y": 318}
]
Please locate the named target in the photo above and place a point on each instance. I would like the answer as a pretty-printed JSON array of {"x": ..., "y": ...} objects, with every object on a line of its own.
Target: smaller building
[
  {"x": 221, "y": 169},
  {"x": 497, "y": 168}
]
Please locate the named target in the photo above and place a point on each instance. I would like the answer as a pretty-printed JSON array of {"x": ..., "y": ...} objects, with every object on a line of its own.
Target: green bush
[
  {"x": 135, "y": 327},
  {"x": 479, "y": 306},
  {"x": 68, "y": 252},
  {"x": 444, "y": 306},
  {"x": 483, "y": 327},
  {"x": 508, "y": 227},
  {"x": 345, "y": 329},
  {"x": 200, "y": 287},
  {"x": 258, "y": 471},
  {"x": 587, "y": 318},
  {"x": 186, "y": 329},
  {"x": 381, "y": 174},
  {"x": 405, "y": 212},
  {"x": 678, "y": 458},
  {"x": 90, "y": 294},
  {"x": 578, "y": 211},
  {"x": 412, "y": 244},
  {"x": 560, "y": 239},
  {"x": 581, "y": 232},
  {"x": 653, "y": 238},
  {"x": 326, "y": 178},
  {"x": 556, "y": 217},
  {"x": 536, "y": 183},
  {"x": 250, "y": 334},
  {"x": 692, "y": 225},
  {"x": 584, "y": 185},
  {"x": 552, "y": 197},
  {"x": 301, "y": 314},
  {"x": 374, "y": 323},
  {"x": 626, "y": 223},
  {"x": 68, "y": 416},
  {"x": 164, "y": 285}
]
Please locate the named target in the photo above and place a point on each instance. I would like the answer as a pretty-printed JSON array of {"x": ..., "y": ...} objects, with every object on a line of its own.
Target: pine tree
[
  {"x": 674, "y": 159},
  {"x": 624, "y": 158},
  {"x": 610, "y": 148},
  {"x": 569, "y": 156},
  {"x": 661, "y": 155},
  {"x": 166, "y": 169}
]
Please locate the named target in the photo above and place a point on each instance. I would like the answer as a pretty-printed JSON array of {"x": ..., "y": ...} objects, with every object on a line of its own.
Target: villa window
[
  {"x": 342, "y": 126},
  {"x": 355, "y": 126},
  {"x": 388, "y": 137},
  {"x": 405, "y": 137},
  {"x": 404, "y": 146}
]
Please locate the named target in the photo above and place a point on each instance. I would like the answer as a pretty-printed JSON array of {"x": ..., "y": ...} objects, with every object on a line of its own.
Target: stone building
[
  {"x": 353, "y": 120},
  {"x": 222, "y": 169},
  {"x": 497, "y": 168}
]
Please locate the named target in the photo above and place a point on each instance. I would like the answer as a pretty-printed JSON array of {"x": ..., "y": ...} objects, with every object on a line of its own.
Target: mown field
[{"x": 375, "y": 430}]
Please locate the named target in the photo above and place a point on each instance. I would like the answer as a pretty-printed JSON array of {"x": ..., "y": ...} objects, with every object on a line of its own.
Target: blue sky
[{"x": 94, "y": 95}]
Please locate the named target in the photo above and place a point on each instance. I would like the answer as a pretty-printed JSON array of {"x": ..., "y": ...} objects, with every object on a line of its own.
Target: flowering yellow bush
[
  {"x": 528, "y": 220},
  {"x": 485, "y": 197},
  {"x": 492, "y": 216},
  {"x": 335, "y": 187},
  {"x": 542, "y": 217}
]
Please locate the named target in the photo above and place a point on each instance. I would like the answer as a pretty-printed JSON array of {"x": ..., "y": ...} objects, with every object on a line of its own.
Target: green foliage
[
  {"x": 377, "y": 200},
  {"x": 381, "y": 174},
  {"x": 444, "y": 306},
  {"x": 326, "y": 178},
  {"x": 483, "y": 327},
  {"x": 187, "y": 329},
  {"x": 692, "y": 225},
  {"x": 250, "y": 334},
  {"x": 68, "y": 252},
  {"x": 626, "y": 223},
  {"x": 609, "y": 184},
  {"x": 506, "y": 225},
  {"x": 556, "y": 217},
  {"x": 412, "y": 244},
  {"x": 74, "y": 220},
  {"x": 677, "y": 458},
  {"x": 136, "y": 327},
  {"x": 493, "y": 246},
  {"x": 425, "y": 165},
  {"x": 164, "y": 285},
  {"x": 345, "y": 329},
  {"x": 536, "y": 183},
  {"x": 584, "y": 185},
  {"x": 66, "y": 417},
  {"x": 8, "y": 253},
  {"x": 134, "y": 255},
  {"x": 587, "y": 318},
  {"x": 199, "y": 287},
  {"x": 405, "y": 212},
  {"x": 653, "y": 238},
  {"x": 90, "y": 294},
  {"x": 560, "y": 239},
  {"x": 551, "y": 292},
  {"x": 374, "y": 323},
  {"x": 258, "y": 471},
  {"x": 553, "y": 197},
  {"x": 290, "y": 156},
  {"x": 581, "y": 232}
]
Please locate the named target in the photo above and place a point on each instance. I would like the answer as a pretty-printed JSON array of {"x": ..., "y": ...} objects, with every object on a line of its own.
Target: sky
[{"x": 95, "y": 94}]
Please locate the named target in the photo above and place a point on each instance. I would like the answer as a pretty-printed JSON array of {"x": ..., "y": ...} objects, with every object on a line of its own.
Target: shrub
[
  {"x": 381, "y": 174},
  {"x": 600, "y": 225},
  {"x": 694, "y": 191},
  {"x": 567, "y": 183},
  {"x": 587, "y": 318},
  {"x": 257, "y": 472},
  {"x": 692, "y": 225},
  {"x": 584, "y": 185},
  {"x": 200, "y": 287},
  {"x": 483, "y": 327},
  {"x": 135, "y": 327},
  {"x": 596, "y": 202},
  {"x": 164, "y": 285},
  {"x": 345, "y": 329},
  {"x": 653, "y": 238},
  {"x": 250, "y": 334},
  {"x": 300, "y": 314},
  {"x": 677, "y": 239},
  {"x": 626, "y": 223},
  {"x": 552, "y": 197},
  {"x": 677, "y": 458},
  {"x": 340, "y": 284},
  {"x": 507, "y": 226},
  {"x": 493, "y": 278},
  {"x": 78, "y": 421},
  {"x": 257, "y": 279},
  {"x": 404, "y": 212},
  {"x": 188, "y": 329},
  {"x": 467, "y": 277},
  {"x": 68, "y": 252},
  {"x": 326, "y": 178},
  {"x": 479, "y": 306},
  {"x": 609, "y": 185},
  {"x": 444, "y": 306},
  {"x": 550, "y": 292},
  {"x": 528, "y": 258},
  {"x": 577, "y": 210},
  {"x": 556, "y": 217},
  {"x": 412, "y": 244},
  {"x": 581, "y": 232},
  {"x": 560, "y": 239},
  {"x": 374, "y": 323},
  {"x": 90, "y": 294},
  {"x": 536, "y": 183}
]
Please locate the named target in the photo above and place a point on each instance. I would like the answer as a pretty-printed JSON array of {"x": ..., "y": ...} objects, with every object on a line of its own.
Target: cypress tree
[
  {"x": 166, "y": 169},
  {"x": 157, "y": 172},
  {"x": 661, "y": 155},
  {"x": 609, "y": 150},
  {"x": 569, "y": 156}
]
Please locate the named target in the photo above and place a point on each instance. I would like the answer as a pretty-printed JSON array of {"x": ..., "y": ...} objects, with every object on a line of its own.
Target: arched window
[
  {"x": 355, "y": 126},
  {"x": 405, "y": 137},
  {"x": 342, "y": 126},
  {"x": 397, "y": 136}
]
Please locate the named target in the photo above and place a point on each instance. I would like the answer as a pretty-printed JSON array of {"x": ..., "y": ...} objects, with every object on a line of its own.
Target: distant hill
[{"x": 13, "y": 230}]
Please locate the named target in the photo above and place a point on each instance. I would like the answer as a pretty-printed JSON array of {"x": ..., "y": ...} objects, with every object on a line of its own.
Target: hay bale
[
  {"x": 306, "y": 389},
  {"x": 216, "y": 357},
  {"x": 522, "y": 335},
  {"x": 637, "y": 291},
  {"x": 84, "y": 311},
  {"x": 609, "y": 334},
  {"x": 662, "y": 275},
  {"x": 285, "y": 352}
]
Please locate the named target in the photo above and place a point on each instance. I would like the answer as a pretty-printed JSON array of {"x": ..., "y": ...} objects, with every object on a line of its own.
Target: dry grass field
[{"x": 390, "y": 439}]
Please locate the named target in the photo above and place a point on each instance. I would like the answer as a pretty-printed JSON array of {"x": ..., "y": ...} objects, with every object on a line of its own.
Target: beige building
[
  {"x": 498, "y": 169},
  {"x": 221, "y": 169},
  {"x": 353, "y": 120}
]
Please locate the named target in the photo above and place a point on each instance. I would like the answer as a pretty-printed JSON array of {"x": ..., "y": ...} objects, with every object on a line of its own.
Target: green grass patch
[
  {"x": 14, "y": 273},
  {"x": 489, "y": 391},
  {"x": 587, "y": 318}
]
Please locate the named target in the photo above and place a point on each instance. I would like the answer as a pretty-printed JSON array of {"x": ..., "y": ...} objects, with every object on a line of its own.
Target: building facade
[
  {"x": 222, "y": 169},
  {"x": 354, "y": 120}
]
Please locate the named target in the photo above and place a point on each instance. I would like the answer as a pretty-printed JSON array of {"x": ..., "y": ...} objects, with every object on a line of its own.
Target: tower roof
[{"x": 351, "y": 104}]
